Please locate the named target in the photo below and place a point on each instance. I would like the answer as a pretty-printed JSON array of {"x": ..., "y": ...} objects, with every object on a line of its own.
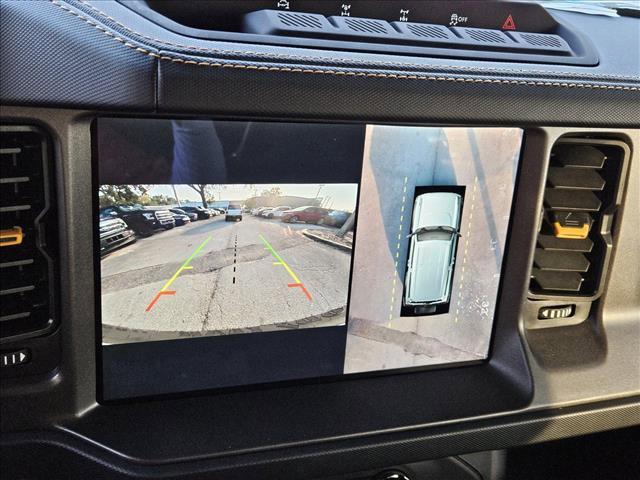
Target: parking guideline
[
  {"x": 184, "y": 266},
  {"x": 280, "y": 261}
]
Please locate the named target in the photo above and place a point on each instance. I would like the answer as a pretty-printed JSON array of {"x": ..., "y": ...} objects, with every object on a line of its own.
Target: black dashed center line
[{"x": 235, "y": 259}]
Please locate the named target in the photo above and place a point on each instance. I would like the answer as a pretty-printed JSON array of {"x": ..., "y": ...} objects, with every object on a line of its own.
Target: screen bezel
[{"x": 298, "y": 381}]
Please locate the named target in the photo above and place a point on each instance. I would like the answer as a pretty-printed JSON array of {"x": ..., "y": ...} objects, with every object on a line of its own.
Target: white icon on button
[
  {"x": 14, "y": 358},
  {"x": 457, "y": 19}
]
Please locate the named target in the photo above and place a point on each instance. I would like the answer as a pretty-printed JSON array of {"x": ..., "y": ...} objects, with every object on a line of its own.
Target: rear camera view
[{"x": 180, "y": 261}]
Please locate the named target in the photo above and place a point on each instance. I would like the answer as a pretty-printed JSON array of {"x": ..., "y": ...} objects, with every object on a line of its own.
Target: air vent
[
  {"x": 28, "y": 233},
  {"x": 580, "y": 204}
]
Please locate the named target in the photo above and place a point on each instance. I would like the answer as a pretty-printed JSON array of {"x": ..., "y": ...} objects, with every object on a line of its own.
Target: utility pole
[
  {"x": 175, "y": 194},
  {"x": 348, "y": 225}
]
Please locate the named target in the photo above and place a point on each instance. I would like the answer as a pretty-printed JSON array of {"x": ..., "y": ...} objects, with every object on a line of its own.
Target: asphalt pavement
[{"x": 213, "y": 277}]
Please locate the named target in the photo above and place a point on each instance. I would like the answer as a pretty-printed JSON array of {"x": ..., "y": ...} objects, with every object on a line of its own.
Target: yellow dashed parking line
[
  {"x": 466, "y": 246},
  {"x": 400, "y": 225}
]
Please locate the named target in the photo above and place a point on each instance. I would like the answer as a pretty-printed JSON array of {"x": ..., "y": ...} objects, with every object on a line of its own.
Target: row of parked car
[
  {"x": 122, "y": 224},
  {"x": 307, "y": 214}
]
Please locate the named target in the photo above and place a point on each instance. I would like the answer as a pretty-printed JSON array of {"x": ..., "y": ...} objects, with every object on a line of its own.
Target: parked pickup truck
[
  {"x": 141, "y": 220},
  {"x": 114, "y": 233}
]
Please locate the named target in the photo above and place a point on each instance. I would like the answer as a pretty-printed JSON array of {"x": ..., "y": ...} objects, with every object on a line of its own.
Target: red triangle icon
[{"x": 509, "y": 24}]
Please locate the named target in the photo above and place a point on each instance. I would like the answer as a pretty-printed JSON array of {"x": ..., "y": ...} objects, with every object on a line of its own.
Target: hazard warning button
[{"x": 509, "y": 23}]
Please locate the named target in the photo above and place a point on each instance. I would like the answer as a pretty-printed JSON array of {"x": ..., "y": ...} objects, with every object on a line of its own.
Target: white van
[{"x": 234, "y": 212}]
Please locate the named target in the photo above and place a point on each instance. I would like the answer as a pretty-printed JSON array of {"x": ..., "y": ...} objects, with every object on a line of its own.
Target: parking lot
[{"x": 212, "y": 277}]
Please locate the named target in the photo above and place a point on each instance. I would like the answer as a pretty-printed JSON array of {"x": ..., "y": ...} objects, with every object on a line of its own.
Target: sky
[{"x": 341, "y": 196}]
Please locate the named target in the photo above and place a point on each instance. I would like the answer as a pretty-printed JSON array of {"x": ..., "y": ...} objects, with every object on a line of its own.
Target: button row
[{"x": 275, "y": 22}]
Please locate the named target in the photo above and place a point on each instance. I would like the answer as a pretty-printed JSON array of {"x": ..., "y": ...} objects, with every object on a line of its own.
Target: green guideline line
[
  {"x": 279, "y": 258},
  {"x": 185, "y": 265},
  {"x": 197, "y": 250},
  {"x": 298, "y": 283}
]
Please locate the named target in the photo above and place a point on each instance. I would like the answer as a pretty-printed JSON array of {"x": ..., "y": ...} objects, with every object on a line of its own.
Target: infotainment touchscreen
[{"x": 235, "y": 253}]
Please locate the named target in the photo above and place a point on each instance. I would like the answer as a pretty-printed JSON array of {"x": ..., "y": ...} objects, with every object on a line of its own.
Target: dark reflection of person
[{"x": 198, "y": 156}]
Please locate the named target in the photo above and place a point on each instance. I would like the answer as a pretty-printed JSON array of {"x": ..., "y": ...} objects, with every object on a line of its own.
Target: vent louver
[
  {"x": 580, "y": 200},
  {"x": 27, "y": 240}
]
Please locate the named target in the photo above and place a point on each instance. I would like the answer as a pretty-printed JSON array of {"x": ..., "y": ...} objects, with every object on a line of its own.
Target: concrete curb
[
  {"x": 123, "y": 334},
  {"x": 339, "y": 246}
]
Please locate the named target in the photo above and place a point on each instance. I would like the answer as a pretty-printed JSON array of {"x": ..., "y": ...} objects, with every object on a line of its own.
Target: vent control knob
[
  {"x": 571, "y": 224},
  {"x": 550, "y": 313}
]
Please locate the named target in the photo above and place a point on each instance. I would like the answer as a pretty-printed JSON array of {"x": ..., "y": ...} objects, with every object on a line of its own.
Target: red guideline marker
[
  {"x": 306, "y": 292},
  {"x": 185, "y": 266},
  {"x": 157, "y": 297},
  {"x": 280, "y": 261}
]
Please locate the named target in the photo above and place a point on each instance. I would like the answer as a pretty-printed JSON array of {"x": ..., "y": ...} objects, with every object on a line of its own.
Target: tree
[
  {"x": 252, "y": 187},
  {"x": 272, "y": 192},
  {"x": 203, "y": 190},
  {"x": 122, "y": 194},
  {"x": 161, "y": 200},
  {"x": 251, "y": 202}
]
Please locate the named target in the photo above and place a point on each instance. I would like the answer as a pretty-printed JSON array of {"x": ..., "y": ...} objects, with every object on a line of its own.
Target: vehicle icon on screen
[{"x": 433, "y": 240}]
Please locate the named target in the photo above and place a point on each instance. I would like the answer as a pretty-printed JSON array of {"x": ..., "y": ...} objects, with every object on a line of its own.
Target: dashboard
[{"x": 294, "y": 239}]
